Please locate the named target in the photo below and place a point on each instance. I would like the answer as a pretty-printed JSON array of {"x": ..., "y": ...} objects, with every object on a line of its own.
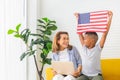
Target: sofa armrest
[
  {"x": 110, "y": 69},
  {"x": 49, "y": 74}
]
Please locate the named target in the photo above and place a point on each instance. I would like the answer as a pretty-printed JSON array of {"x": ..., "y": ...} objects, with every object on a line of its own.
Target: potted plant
[{"x": 41, "y": 40}]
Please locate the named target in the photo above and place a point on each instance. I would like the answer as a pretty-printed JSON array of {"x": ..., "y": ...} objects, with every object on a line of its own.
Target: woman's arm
[{"x": 78, "y": 71}]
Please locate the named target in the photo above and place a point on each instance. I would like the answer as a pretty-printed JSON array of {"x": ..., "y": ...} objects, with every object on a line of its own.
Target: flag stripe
[
  {"x": 94, "y": 24},
  {"x": 100, "y": 21},
  {"x": 100, "y": 14},
  {"x": 90, "y": 31},
  {"x": 85, "y": 30},
  {"x": 100, "y": 11},
  {"x": 98, "y": 18},
  {"x": 99, "y": 27}
]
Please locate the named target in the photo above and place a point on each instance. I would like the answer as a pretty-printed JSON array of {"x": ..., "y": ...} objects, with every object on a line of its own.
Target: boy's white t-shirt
[
  {"x": 91, "y": 60},
  {"x": 63, "y": 55}
]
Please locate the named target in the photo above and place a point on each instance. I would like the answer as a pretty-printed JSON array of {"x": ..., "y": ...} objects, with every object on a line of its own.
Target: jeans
[{"x": 84, "y": 77}]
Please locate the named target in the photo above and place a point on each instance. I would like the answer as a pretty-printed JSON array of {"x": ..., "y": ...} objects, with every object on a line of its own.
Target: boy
[{"x": 91, "y": 52}]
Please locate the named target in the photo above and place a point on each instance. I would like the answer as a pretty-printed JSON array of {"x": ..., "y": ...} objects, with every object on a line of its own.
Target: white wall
[
  {"x": 12, "y": 13},
  {"x": 62, "y": 11},
  {"x": 2, "y": 51}
]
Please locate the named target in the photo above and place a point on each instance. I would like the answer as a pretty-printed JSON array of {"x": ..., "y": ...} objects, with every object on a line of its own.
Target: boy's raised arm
[
  {"x": 80, "y": 35},
  {"x": 103, "y": 38},
  {"x": 81, "y": 39}
]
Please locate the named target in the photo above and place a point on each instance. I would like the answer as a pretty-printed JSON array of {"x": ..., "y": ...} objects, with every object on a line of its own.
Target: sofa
[{"x": 110, "y": 70}]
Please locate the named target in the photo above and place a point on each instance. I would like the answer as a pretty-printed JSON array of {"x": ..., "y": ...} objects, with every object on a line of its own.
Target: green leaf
[
  {"x": 45, "y": 19},
  {"x": 25, "y": 35},
  {"x": 31, "y": 44},
  {"x": 45, "y": 51},
  {"x": 23, "y": 55},
  {"x": 38, "y": 41},
  {"x": 46, "y": 38},
  {"x": 49, "y": 46},
  {"x": 40, "y": 21},
  {"x": 17, "y": 35},
  {"x": 25, "y": 30},
  {"x": 40, "y": 31},
  {"x": 52, "y": 27},
  {"x": 36, "y": 35},
  {"x": 43, "y": 56},
  {"x": 18, "y": 27},
  {"x": 43, "y": 26},
  {"x": 32, "y": 52},
  {"x": 10, "y": 31},
  {"x": 52, "y": 21},
  {"x": 47, "y": 32},
  {"x": 48, "y": 61}
]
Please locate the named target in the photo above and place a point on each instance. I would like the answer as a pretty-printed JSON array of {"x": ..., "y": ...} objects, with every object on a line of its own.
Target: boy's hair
[
  {"x": 92, "y": 35},
  {"x": 55, "y": 45}
]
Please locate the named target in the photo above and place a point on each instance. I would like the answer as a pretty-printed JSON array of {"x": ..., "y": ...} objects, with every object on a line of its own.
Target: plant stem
[
  {"x": 37, "y": 67},
  {"x": 42, "y": 71}
]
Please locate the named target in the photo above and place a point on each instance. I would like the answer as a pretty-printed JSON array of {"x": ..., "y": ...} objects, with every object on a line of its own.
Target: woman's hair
[
  {"x": 55, "y": 45},
  {"x": 92, "y": 35}
]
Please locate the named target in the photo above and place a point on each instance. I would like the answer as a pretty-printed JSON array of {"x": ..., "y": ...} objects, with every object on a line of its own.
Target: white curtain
[{"x": 12, "y": 12}]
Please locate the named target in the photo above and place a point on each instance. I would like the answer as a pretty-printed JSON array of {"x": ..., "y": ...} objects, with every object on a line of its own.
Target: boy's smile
[{"x": 89, "y": 42}]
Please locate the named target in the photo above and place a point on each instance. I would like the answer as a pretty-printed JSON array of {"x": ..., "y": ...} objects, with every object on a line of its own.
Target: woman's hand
[
  {"x": 76, "y": 73},
  {"x": 54, "y": 72}
]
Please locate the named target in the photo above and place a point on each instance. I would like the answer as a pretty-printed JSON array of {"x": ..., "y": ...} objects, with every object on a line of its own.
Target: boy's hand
[
  {"x": 76, "y": 15},
  {"x": 110, "y": 13}
]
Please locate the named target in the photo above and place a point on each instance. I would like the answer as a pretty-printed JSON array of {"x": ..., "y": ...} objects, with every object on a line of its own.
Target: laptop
[{"x": 65, "y": 68}]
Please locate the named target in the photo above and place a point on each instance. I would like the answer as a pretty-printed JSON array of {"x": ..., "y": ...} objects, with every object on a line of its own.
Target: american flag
[{"x": 92, "y": 22}]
